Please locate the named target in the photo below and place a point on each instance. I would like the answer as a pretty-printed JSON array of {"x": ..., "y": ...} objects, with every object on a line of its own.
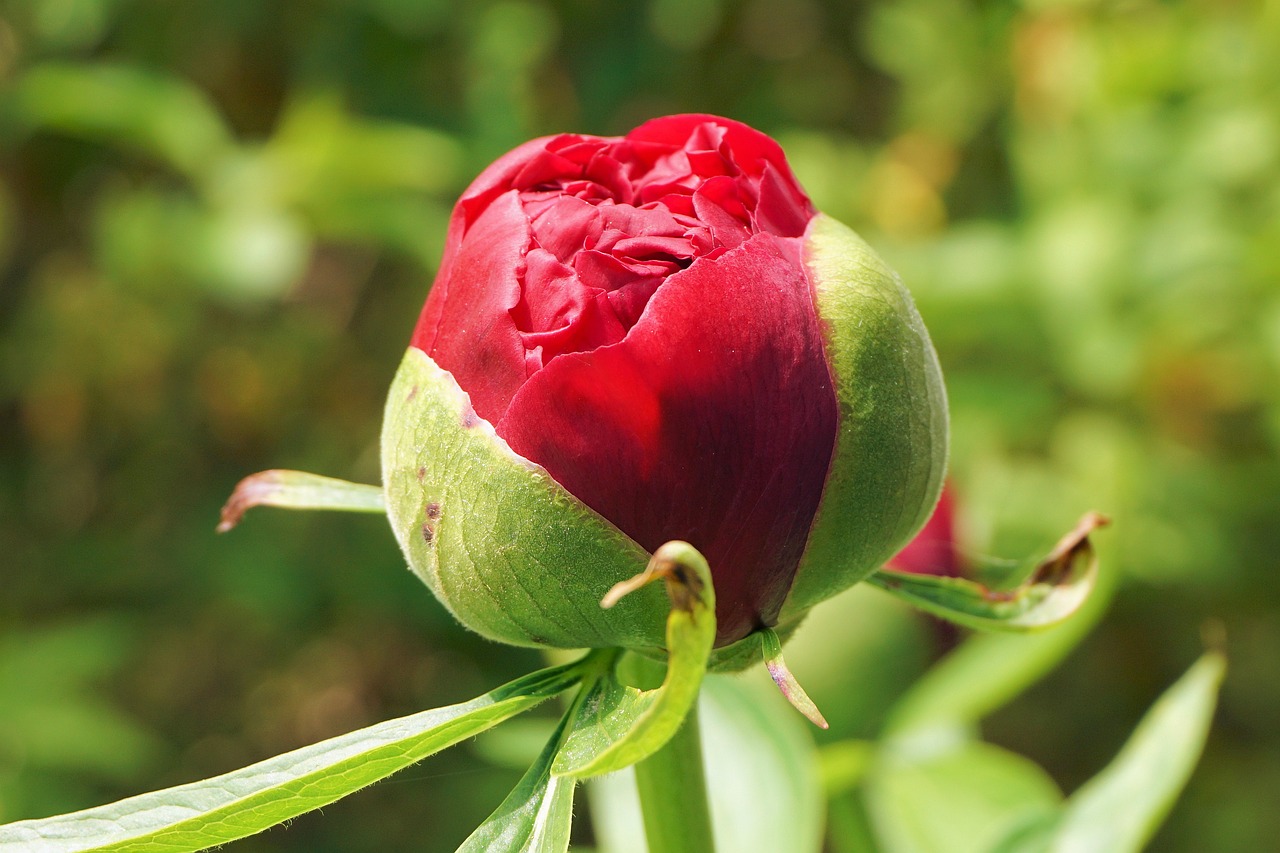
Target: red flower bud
[
  {"x": 934, "y": 550},
  {"x": 642, "y": 318}
]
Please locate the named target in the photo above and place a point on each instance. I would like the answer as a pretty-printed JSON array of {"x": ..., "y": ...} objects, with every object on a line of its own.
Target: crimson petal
[
  {"x": 713, "y": 421},
  {"x": 467, "y": 323}
]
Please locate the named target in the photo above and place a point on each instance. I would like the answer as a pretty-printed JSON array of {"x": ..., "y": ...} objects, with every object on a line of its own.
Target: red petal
[
  {"x": 472, "y": 299},
  {"x": 782, "y": 208},
  {"x": 713, "y": 421}
]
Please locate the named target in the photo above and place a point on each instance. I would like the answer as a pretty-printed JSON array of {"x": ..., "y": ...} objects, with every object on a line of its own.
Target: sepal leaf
[
  {"x": 891, "y": 446},
  {"x": 626, "y": 725},
  {"x": 989, "y": 669},
  {"x": 771, "y": 647},
  {"x": 298, "y": 490},
  {"x": 1058, "y": 585}
]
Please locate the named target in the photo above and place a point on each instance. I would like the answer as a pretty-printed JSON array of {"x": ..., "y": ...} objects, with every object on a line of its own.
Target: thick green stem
[
  {"x": 673, "y": 794},
  {"x": 672, "y": 783}
]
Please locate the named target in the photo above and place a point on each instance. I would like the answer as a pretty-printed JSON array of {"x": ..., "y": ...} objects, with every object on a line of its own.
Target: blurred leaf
[
  {"x": 330, "y": 154},
  {"x": 244, "y": 802},
  {"x": 515, "y": 744},
  {"x": 248, "y": 253},
  {"x": 1059, "y": 584},
  {"x": 79, "y": 733},
  {"x": 844, "y": 764},
  {"x": 1119, "y": 809},
  {"x": 963, "y": 800},
  {"x": 762, "y": 769},
  {"x": 50, "y": 713},
  {"x": 156, "y": 114}
]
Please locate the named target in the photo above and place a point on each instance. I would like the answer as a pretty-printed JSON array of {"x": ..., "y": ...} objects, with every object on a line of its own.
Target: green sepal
[
  {"x": 771, "y": 651},
  {"x": 891, "y": 446},
  {"x": 298, "y": 490},
  {"x": 247, "y": 801},
  {"x": 626, "y": 725},
  {"x": 512, "y": 554},
  {"x": 1057, "y": 587},
  {"x": 989, "y": 669}
]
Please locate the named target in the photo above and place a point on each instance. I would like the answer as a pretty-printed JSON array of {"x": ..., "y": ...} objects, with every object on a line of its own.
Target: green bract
[
  {"x": 513, "y": 555},
  {"x": 517, "y": 558},
  {"x": 891, "y": 448}
]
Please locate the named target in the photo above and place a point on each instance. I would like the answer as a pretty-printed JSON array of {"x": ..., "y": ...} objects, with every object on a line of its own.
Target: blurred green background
[{"x": 218, "y": 221}]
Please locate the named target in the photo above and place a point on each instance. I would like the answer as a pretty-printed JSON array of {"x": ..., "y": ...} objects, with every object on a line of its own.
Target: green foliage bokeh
[{"x": 218, "y": 221}]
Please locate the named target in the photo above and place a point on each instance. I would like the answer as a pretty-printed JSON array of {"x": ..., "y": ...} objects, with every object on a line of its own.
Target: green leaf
[
  {"x": 763, "y": 775},
  {"x": 537, "y": 816},
  {"x": 626, "y": 725},
  {"x": 613, "y": 714},
  {"x": 298, "y": 490},
  {"x": 891, "y": 447},
  {"x": 990, "y": 669},
  {"x": 1119, "y": 809},
  {"x": 1057, "y": 587},
  {"x": 961, "y": 799},
  {"x": 244, "y": 802},
  {"x": 505, "y": 547}
]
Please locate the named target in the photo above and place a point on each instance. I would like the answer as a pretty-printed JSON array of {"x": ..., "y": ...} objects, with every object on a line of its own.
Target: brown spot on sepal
[
  {"x": 432, "y": 514},
  {"x": 422, "y": 472},
  {"x": 470, "y": 420},
  {"x": 413, "y": 392}
]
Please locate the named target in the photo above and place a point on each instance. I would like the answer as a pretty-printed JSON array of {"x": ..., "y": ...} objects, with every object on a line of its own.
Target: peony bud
[
  {"x": 653, "y": 337},
  {"x": 934, "y": 550}
]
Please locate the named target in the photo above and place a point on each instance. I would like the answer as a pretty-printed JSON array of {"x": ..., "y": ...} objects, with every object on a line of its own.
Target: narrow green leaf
[
  {"x": 1119, "y": 809},
  {"x": 298, "y": 490},
  {"x": 537, "y": 816},
  {"x": 961, "y": 799},
  {"x": 627, "y": 725},
  {"x": 244, "y": 802},
  {"x": 1058, "y": 586}
]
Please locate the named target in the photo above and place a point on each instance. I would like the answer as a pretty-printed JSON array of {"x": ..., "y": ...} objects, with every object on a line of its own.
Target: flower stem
[{"x": 673, "y": 789}]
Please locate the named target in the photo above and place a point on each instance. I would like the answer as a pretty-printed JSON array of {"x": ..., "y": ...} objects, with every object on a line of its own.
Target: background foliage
[{"x": 218, "y": 221}]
